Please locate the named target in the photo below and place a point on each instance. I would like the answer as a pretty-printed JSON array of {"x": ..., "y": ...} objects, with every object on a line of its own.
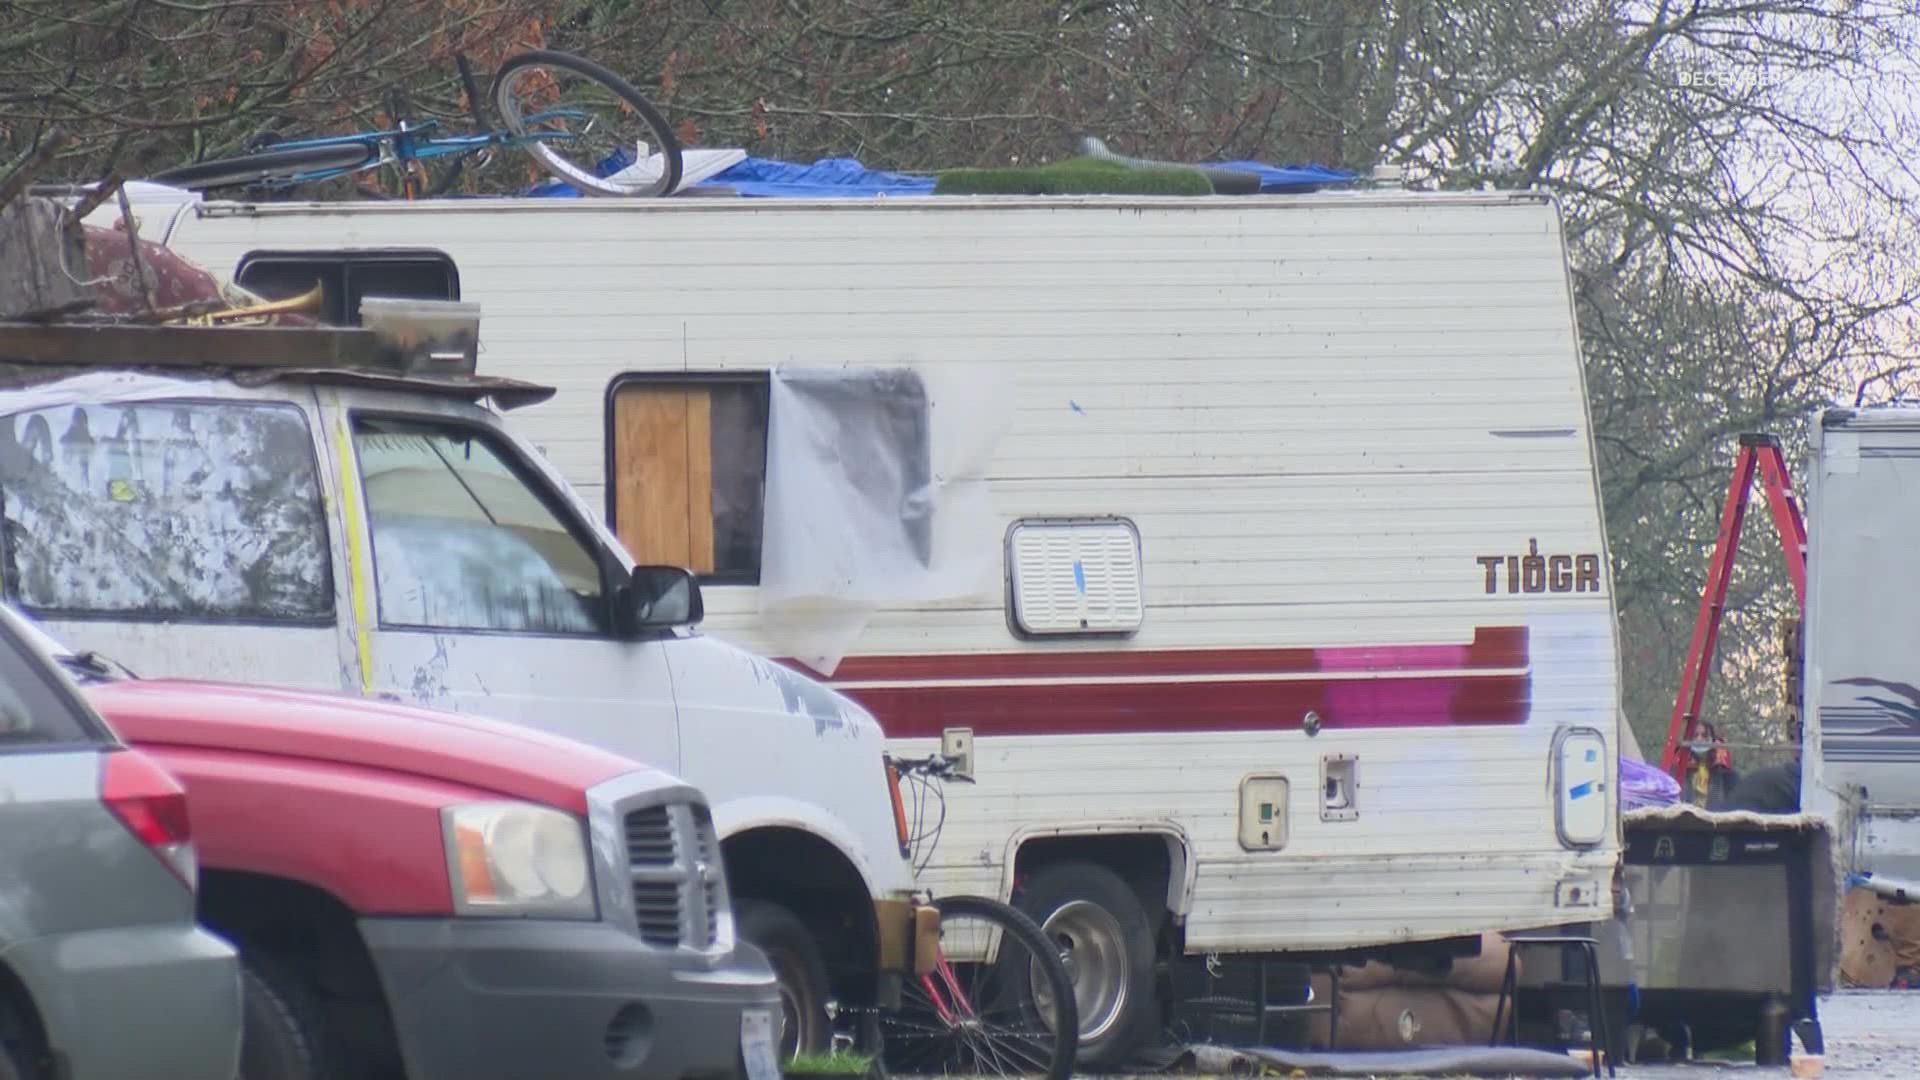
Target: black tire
[
  {"x": 508, "y": 111},
  {"x": 284, "y": 1031},
  {"x": 13, "y": 1063},
  {"x": 266, "y": 167},
  {"x": 22, "y": 1051},
  {"x": 799, "y": 969},
  {"x": 1085, "y": 907},
  {"x": 1013, "y": 972}
]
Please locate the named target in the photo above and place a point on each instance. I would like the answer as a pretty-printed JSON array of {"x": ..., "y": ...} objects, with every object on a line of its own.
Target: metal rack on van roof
[
  {"x": 389, "y": 356},
  {"x": 52, "y": 322}
]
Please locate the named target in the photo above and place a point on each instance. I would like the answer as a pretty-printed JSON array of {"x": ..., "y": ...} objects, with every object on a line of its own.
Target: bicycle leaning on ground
[
  {"x": 600, "y": 138},
  {"x": 999, "y": 1001}
]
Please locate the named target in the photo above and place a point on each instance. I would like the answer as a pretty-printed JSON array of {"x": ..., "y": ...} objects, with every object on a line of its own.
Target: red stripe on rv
[{"x": 1469, "y": 685}]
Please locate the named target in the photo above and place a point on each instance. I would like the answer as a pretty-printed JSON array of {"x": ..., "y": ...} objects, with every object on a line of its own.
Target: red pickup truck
[{"x": 430, "y": 895}]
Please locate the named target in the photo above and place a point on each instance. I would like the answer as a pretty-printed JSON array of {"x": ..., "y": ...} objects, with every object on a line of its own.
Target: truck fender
[
  {"x": 1180, "y": 861},
  {"x": 762, "y": 811}
]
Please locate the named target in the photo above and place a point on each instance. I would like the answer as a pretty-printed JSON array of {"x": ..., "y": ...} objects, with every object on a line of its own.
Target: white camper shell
[
  {"x": 1860, "y": 761},
  {"x": 1248, "y": 550}
]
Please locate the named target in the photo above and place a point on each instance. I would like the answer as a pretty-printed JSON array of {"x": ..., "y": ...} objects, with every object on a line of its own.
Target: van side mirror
[{"x": 658, "y": 598}]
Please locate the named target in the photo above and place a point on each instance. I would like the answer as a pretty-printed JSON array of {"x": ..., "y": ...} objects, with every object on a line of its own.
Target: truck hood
[{"x": 506, "y": 759}]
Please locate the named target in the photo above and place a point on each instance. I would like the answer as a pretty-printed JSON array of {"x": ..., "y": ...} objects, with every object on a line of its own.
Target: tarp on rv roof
[
  {"x": 846, "y": 177},
  {"x": 826, "y": 178},
  {"x": 767, "y": 178}
]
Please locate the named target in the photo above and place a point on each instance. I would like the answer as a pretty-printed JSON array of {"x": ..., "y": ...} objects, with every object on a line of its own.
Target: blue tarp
[
  {"x": 768, "y": 178},
  {"x": 826, "y": 178},
  {"x": 1274, "y": 178}
]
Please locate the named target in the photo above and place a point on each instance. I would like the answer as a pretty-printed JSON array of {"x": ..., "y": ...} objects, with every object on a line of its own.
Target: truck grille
[
  {"x": 707, "y": 843},
  {"x": 650, "y": 839},
  {"x": 656, "y": 908},
  {"x": 673, "y": 858}
]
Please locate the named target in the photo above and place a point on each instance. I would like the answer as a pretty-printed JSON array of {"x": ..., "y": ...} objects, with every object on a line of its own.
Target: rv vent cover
[{"x": 1075, "y": 576}]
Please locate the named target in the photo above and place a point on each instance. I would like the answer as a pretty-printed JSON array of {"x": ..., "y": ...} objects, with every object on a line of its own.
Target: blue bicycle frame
[{"x": 404, "y": 145}]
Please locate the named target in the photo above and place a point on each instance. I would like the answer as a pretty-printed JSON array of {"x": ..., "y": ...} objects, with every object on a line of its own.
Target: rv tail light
[
  {"x": 153, "y": 807},
  {"x": 900, "y": 829}
]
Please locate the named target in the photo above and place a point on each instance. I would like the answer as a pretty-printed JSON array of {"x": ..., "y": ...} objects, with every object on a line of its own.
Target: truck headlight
[{"x": 518, "y": 859}]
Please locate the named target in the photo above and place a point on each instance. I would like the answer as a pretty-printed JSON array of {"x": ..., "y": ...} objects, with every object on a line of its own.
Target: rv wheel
[{"x": 1107, "y": 944}]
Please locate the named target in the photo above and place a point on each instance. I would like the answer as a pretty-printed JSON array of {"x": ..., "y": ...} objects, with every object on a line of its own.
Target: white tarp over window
[{"x": 876, "y": 497}]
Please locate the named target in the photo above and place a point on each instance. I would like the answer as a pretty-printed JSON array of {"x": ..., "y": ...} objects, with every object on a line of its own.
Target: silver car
[{"x": 103, "y": 971}]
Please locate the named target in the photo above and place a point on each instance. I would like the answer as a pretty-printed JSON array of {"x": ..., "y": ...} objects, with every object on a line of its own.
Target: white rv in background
[
  {"x": 1247, "y": 550},
  {"x": 1860, "y": 761}
]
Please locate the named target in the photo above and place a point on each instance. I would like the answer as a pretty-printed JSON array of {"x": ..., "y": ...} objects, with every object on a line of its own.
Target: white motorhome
[
  {"x": 1860, "y": 761},
  {"x": 1247, "y": 550}
]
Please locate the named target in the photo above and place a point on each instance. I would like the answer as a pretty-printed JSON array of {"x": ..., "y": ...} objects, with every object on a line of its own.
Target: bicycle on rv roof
[{"x": 578, "y": 121}]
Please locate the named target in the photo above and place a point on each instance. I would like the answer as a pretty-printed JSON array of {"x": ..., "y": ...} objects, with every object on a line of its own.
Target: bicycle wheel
[
  {"x": 266, "y": 167},
  {"x": 999, "y": 1003},
  {"x": 587, "y": 125}
]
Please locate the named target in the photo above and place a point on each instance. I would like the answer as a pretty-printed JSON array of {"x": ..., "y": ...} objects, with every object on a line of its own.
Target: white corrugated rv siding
[{"x": 1320, "y": 411}]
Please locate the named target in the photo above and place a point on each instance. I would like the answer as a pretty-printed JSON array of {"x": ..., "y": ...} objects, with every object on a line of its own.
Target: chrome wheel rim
[
  {"x": 787, "y": 1039},
  {"x": 1094, "y": 950}
]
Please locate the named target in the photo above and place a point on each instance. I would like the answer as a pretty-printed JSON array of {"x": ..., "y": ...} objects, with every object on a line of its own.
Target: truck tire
[
  {"x": 284, "y": 1034},
  {"x": 1107, "y": 943},
  {"x": 799, "y": 969},
  {"x": 21, "y": 1054}
]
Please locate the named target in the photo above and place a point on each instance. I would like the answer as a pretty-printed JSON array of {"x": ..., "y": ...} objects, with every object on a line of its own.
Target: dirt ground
[{"x": 1870, "y": 1035}]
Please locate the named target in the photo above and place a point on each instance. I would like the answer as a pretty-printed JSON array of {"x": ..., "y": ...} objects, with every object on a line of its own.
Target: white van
[
  {"x": 1247, "y": 549},
  {"x": 348, "y": 530}
]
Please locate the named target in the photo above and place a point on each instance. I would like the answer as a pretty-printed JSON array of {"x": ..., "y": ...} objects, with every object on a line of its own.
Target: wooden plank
[
  {"x": 699, "y": 482},
  {"x": 120, "y": 345},
  {"x": 650, "y": 474},
  {"x": 663, "y": 475}
]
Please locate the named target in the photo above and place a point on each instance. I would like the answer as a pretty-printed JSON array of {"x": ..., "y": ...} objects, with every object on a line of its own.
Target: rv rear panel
[{"x": 1861, "y": 764}]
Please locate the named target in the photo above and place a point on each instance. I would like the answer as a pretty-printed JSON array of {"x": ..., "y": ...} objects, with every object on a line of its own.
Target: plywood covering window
[{"x": 687, "y": 475}]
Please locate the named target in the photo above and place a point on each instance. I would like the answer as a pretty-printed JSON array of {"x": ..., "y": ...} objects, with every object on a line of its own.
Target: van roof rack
[
  {"x": 352, "y": 355},
  {"x": 107, "y": 344}
]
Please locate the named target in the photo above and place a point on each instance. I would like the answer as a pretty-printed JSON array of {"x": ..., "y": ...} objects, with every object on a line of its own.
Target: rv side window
[
  {"x": 687, "y": 473},
  {"x": 687, "y": 464},
  {"x": 179, "y": 510},
  {"x": 349, "y": 277},
  {"x": 461, "y": 541}
]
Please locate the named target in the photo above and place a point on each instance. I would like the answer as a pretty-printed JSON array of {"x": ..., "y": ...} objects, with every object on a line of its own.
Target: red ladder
[{"x": 1757, "y": 453}]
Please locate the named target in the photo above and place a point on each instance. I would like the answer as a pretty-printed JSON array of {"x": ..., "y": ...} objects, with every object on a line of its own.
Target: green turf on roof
[{"x": 1075, "y": 176}]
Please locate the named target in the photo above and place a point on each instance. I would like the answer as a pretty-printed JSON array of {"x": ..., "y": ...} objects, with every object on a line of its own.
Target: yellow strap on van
[{"x": 356, "y": 566}]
